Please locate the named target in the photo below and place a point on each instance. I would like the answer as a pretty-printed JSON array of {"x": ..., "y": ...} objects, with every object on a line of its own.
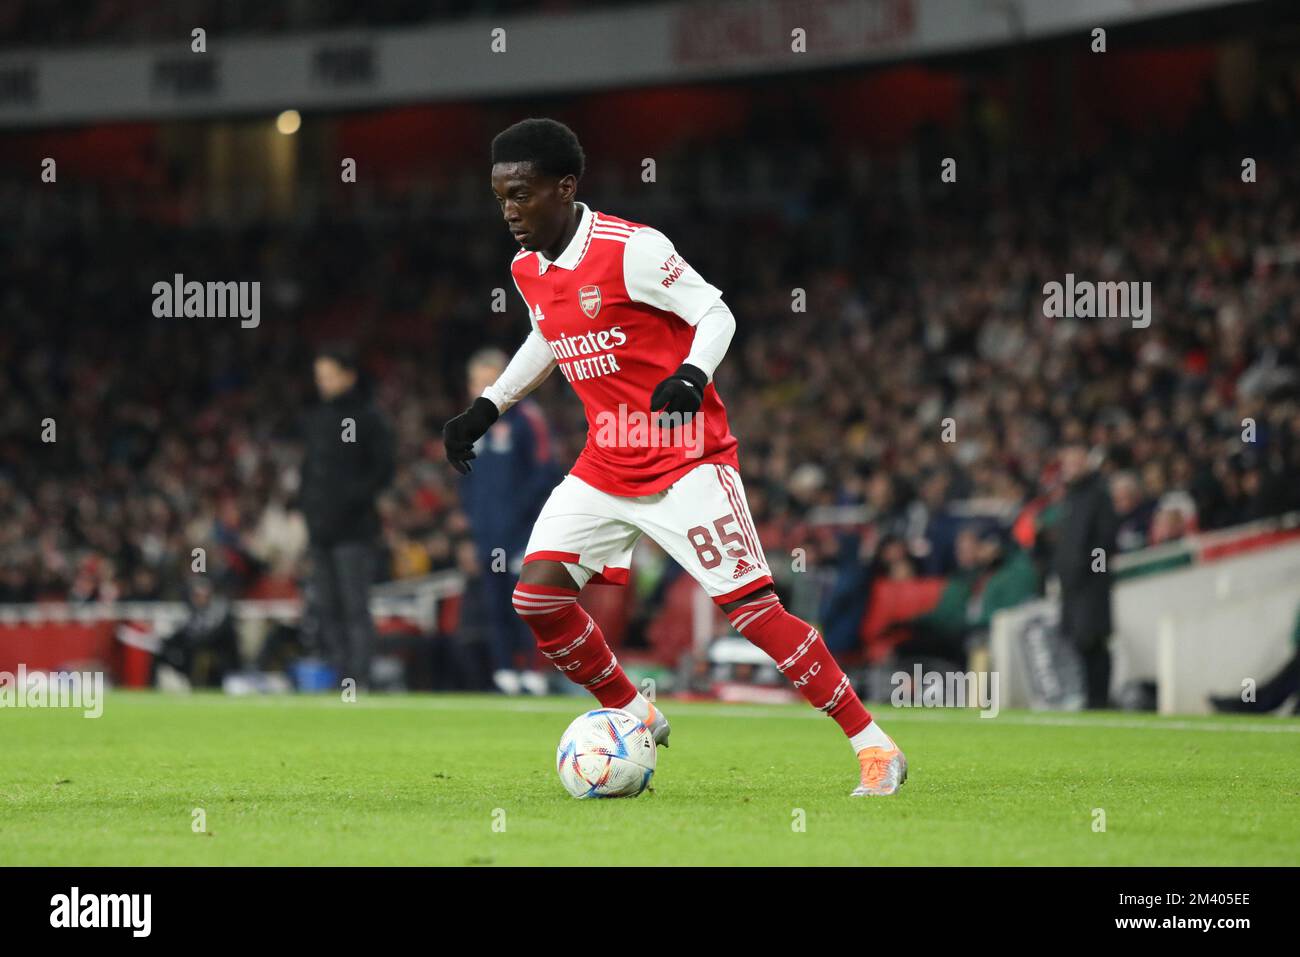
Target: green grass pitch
[{"x": 465, "y": 779}]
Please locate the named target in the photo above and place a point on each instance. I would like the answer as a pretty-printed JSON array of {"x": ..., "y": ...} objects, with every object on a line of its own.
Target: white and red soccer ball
[{"x": 606, "y": 753}]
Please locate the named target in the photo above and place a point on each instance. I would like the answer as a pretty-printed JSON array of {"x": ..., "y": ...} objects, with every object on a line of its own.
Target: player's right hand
[{"x": 460, "y": 433}]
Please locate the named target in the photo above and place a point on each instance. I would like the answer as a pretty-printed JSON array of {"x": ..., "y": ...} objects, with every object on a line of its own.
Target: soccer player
[{"x": 638, "y": 334}]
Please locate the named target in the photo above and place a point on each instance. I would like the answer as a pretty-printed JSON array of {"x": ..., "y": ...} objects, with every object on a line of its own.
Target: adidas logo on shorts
[{"x": 743, "y": 568}]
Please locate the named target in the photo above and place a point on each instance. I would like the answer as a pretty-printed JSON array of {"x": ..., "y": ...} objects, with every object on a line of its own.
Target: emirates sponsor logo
[
  {"x": 588, "y": 343},
  {"x": 590, "y": 354}
]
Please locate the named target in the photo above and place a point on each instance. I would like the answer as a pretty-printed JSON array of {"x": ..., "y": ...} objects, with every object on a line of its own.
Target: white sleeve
[
  {"x": 528, "y": 369},
  {"x": 655, "y": 274},
  {"x": 712, "y": 336}
]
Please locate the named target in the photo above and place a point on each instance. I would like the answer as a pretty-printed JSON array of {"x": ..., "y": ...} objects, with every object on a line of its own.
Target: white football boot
[{"x": 658, "y": 725}]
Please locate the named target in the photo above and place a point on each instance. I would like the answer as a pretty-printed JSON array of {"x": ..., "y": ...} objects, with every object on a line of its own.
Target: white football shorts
[{"x": 702, "y": 520}]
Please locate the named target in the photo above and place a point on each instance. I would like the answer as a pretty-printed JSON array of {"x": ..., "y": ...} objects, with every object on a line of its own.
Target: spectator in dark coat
[
  {"x": 1133, "y": 514},
  {"x": 513, "y": 474},
  {"x": 349, "y": 461},
  {"x": 856, "y": 563},
  {"x": 205, "y": 648},
  {"x": 1087, "y": 522}
]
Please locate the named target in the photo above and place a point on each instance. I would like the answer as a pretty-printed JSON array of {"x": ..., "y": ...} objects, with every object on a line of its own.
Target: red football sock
[
  {"x": 802, "y": 656},
  {"x": 571, "y": 640}
]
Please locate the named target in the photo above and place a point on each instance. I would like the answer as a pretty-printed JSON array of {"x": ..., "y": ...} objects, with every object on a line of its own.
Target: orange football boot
[{"x": 883, "y": 771}]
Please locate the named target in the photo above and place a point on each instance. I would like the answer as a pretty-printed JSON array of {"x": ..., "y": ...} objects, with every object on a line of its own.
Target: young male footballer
[{"x": 636, "y": 331}]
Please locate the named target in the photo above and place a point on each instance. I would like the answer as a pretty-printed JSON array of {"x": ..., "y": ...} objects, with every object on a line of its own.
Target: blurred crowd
[
  {"x": 893, "y": 375},
  {"x": 38, "y": 23}
]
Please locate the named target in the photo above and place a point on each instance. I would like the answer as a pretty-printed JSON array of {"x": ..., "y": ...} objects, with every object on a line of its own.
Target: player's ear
[{"x": 567, "y": 187}]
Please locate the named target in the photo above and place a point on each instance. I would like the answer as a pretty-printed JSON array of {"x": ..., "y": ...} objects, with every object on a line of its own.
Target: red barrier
[
  {"x": 56, "y": 646},
  {"x": 1250, "y": 543},
  {"x": 133, "y": 667}
]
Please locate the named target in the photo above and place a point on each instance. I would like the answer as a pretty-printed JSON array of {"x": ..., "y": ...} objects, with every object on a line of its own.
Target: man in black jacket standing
[
  {"x": 1087, "y": 524},
  {"x": 349, "y": 461}
]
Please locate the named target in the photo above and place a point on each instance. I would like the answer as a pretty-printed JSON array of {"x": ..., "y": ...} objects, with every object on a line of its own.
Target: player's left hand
[{"x": 681, "y": 392}]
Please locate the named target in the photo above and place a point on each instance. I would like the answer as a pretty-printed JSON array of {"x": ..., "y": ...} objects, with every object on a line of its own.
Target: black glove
[
  {"x": 683, "y": 391},
  {"x": 460, "y": 433}
]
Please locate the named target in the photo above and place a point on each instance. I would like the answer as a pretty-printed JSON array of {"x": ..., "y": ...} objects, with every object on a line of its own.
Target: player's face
[{"x": 534, "y": 206}]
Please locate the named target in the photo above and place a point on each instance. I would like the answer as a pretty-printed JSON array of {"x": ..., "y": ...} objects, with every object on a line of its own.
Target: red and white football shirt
[{"x": 618, "y": 309}]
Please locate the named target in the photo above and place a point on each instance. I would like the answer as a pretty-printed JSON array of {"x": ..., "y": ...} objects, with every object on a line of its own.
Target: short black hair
[
  {"x": 548, "y": 144},
  {"x": 341, "y": 351}
]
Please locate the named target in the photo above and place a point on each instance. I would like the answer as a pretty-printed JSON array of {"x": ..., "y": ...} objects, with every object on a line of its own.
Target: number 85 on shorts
[{"x": 702, "y": 520}]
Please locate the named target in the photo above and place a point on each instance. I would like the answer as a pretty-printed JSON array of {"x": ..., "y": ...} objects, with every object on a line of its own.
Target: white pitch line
[{"x": 563, "y": 706}]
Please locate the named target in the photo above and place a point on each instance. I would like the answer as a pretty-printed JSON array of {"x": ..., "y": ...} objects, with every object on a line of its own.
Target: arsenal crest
[{"x": 589, "y": 300}]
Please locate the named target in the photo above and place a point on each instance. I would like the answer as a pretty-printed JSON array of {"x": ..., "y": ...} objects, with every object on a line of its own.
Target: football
[{"x": 606, "y": 753}]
